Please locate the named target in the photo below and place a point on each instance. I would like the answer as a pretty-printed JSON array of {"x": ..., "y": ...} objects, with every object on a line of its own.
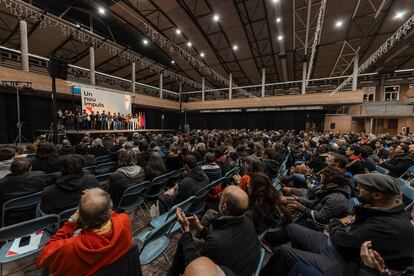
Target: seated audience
[
  {"x": 355, "y": 165},
  {"x": 67, "y": 189},
  {"x": 66, "y": 148},
  {"x": 144, "y": 155},
  {"x": 400, "y": 162},
  {"x": 328, "y": 200},
  {"x": 83, "y": 149},
  {"x": 272, "y": 166},
  {"x": 174, "y": 159},
  {"x": 380, "y": 219},
  {"x": 380, "y": 151},
  {"x": 251, "y": 165},
  {"x": 222, "y": 160},
  {"x": 20, "y": 182},
  {"x": 98, "y": 148},
  {"x": 231, "y": 243},
  {"x": 105, "y": 238},
  {"x": 203, "y": 266},
  {"x": 6, "y": 158},
  {"x": 127, "y": 174},
  {"x": 265, "y": 209},
  {"x": 46, "y": 159},
  {"x": 194, "y": 180},
  {"x": 155, "y": 167},
  {"x": 210, "y": 168}
]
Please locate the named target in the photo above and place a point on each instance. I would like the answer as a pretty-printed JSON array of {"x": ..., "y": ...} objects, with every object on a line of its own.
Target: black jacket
[
  {"x": 390, "y": 231},
  {"x": 232, "y": 243},
  {"x": 174, "y": 162},
  {"x": 66, "y": 149},
  {"x": 13, "y": 186},
  {"x": 47, "y": 165},
  {"x": 272, "y": 168},
  {"x": 330, "y": 201},
  {"x": 98, "y": 151},
  {"x": 194, "y": 180},
  {"x": 213, "y": 171},
  {"x": 122, "y": 179},
  {"x": 398, "y": 164},
  {"x": 143, "y": 158},
  {"x": 65, "y": 192}
]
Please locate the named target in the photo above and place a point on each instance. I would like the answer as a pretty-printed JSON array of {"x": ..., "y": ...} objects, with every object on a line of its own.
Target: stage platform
[{"x": 91, "y": 132}]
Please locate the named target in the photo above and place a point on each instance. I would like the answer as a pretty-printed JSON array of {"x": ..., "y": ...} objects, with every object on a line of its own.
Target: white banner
[{"x": 95, "y": 99}]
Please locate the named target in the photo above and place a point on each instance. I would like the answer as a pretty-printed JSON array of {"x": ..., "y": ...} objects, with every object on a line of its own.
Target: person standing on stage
[
  {"x": 71, "y": 120},
  {"x": 129, "y": 121},
  {"x": 104, "y": 120},
  {"x": 98, "y": 120},
  {"x": 109, "y": 121},
  {"x": 84, "y": 117},
  {"x": 60, "y": 116},
  {"x": 65, "y": 118},
  {"x": 120, "y": 120},
  {"x": 135, "y": 121},
  {"x": 93, "y": 120},
  {"x": 78, "y": 120},
  {"x": 115, "y": 121}
]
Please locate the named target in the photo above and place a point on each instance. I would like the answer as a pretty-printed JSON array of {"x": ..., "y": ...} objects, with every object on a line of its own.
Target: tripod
[{"x": 19, "y": 125}]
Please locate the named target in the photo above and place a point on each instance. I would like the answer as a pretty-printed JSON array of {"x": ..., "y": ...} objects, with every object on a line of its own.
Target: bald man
[
  {"x": 231, "y": 243},
  {"x": 203, "y": 266},
  {"x": 105, "y": 238}
]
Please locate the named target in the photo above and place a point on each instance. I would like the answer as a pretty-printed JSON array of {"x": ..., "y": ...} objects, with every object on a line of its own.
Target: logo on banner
[{"x": 90, "y": 101}]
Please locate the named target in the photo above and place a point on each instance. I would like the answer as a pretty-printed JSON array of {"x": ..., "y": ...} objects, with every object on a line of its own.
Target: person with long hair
[
  {"x": 155, "y": 167},
  {"x": 46, "y": 159},
  {"x": 265, "y": 209},
  {"x": 251, "y": 165}
]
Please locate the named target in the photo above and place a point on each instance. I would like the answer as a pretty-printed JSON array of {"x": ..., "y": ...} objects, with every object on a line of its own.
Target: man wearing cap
[
  {"x": 400, "y": 162},
  {"x": 380, "y": 218}
]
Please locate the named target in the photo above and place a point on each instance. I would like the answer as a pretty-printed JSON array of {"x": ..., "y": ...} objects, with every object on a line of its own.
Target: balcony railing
[
  {"x": 394, "y": 108},
  {"x": 37, "y": 64}
]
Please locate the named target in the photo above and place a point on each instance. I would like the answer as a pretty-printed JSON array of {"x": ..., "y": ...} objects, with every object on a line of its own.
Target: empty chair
[
  {"x": 161, "y": 219},
  {"x": 19, "y": 209},
  {"x": 156, "y": 188},
  {"x": 155, "y": 242},
  {"x": 132, "y": 198},
  {"x": 35, "y": 226},
  {"x": 103, "y": 159},
  {"x": 105, "y": 168}
]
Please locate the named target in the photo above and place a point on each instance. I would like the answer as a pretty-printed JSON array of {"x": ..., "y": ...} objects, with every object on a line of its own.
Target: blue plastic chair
[
  {"x": 353, "y": 201},
  {"x": 199, "y": 204},
  {"x": 103, "y": 180},
  {"x": 161, "y": 219},
  {"x": 90, "y": 169},
  {"x": 277, "y": 184},
  {"x": 133, "y": 197},
  {"x": 381, "y": 170},
  {"x": 410, "y": 170},
  {"x": 261, "y": 260},
  {"x": 103, "y": 159},
  {"x": 19, "y": 203},
  {"x": 9, "y": 233},
  {"x": 155, "y": 242},
  {"x": 156, "y": 188},
  {"x": 174, "y": 176},
  {"x": 105, "y": 168}
]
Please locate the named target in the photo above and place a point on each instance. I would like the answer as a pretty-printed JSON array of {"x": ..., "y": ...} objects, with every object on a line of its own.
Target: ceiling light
[
  {"x": 275, "y": 1},
  {"x": 172, "y": 61},
  {"x": 399, "y": 14},
  {"x": 278, "y": 19},
  {"x": 339, "y": 23},
  {"x": 235, "y": 47},
  {"x": 216, "y": 17},
  {"x": 280, "y": 37},
  {"x": 77, "y": 26},
  {"x": 202, "y": 54},
  {"x": 178, "y": 31},
  {"x": 145, "y": 41},
  {"x": 189, "y": 44},
  {"x": 101, "y": 10}
]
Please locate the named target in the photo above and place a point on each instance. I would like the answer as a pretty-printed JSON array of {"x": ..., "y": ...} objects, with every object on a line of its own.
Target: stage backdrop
[{"x": 94, "y": 99}]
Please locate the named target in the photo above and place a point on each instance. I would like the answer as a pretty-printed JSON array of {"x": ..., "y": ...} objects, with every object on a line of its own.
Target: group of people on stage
[{"x": 100, "y": 121}]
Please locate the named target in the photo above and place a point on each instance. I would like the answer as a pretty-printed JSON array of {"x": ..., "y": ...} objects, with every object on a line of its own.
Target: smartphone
[{"x": 24, "y": 241}]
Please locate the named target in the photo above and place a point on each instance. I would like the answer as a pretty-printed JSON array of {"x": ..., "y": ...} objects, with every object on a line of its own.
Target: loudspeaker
[{"x": 58, "y": 68}]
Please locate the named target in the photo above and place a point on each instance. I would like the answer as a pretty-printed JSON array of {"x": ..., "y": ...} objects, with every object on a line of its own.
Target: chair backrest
[
  {"x": 105, "y": 168},
  {"x": 160, "y": 231},
  {"x": 230, "y": 173},
  {"x": 176, "y": 174},
  {"x": 408, "y": 192},
  {"x": 381, "y": 170},
  {"x": 103, "y": 159},
  {"x": 262, "y": 254},
  {"x": 28, "y": 227},
  {"x": 353, "y": 201},
  {"x": 15, "y": 204},
  {"x": 277, "y": 184},
  {"x": 90, "y": 169},
  {"x": 65, "y": 215},
  {"x": 199, "y": 163},
  {"x": 215, "y": 183},
  {"x": 157, "y": 185},
  {"x": 103, "y": 177},
  {"x": 184, "y": 205},
  {"x": 132, "y": 196}
]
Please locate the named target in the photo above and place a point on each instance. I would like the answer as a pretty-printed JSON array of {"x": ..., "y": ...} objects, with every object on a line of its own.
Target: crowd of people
[
  {"x": 106, "y": 120},
  {"x": 307, "y": 227}
]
